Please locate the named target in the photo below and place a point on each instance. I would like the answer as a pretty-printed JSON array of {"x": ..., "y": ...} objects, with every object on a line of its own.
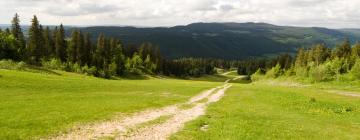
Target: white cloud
[{"x": 325, "y": 13}]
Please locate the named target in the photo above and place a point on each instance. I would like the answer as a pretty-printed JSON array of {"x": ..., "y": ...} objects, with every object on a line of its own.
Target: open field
[
  {"x": 41, "y": 105},
  {"x": 258, "y": 111},
  {"x": 34, "y": 105}
]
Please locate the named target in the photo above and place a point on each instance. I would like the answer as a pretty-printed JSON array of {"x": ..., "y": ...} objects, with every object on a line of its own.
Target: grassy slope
[
  {"x": 270, "y": 112},
  {"x": 34, "y": 105}
]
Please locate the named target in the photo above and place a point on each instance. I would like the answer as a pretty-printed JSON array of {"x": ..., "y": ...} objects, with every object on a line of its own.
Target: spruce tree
[
  {"x": 81, "y": 56},
  {"x": 320, "y": 54},
  {"x": 99, "y": 52},
  {"x": 60, "y": 44},
  {"x": 19, "y": 36},
  {"x": 35, "y": 42},
  {"x": 48, "y": 43},
  {"x": 343, "y": 50},
  {"x": 73, "y": 45},
  {"x": 300, "y": 58},
  {"x": 88, "y": 49}
]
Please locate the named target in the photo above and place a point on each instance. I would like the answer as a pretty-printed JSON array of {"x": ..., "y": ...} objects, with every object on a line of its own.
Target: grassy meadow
[
  {"x": 259, "y": 111},
  {"x": 35, "y": 105}
]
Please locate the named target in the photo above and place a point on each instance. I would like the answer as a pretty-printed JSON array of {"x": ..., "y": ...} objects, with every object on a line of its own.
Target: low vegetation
[{"x": 257, "y": 111}]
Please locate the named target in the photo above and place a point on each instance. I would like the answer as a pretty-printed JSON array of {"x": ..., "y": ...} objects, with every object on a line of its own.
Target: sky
[{"x": 151, "y": 13}]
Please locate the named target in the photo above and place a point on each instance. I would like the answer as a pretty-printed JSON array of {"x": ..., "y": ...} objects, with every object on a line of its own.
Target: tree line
[
  {"x": 105, "y": 57},
  {"x": 318, "y": 63}
]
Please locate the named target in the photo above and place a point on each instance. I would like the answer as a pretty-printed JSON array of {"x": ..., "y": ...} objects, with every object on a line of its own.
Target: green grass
[
  {"x": 257, "y": 111},
  {"x": 35, "y": 105}
]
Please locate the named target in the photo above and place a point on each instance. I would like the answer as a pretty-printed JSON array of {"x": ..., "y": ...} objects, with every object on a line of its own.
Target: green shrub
[
  {"x": 275, "y": 72},
  {"x": 89, "y": 70},
  {"x": 258, "y": 75},
  {"x": 290, "y": 72},
  {"x": 54, "y": 64},
  {"x": 323, "y": 72},
  {"x": 12, "y": 65},
  {"x": 301, "y": 72},
  {"x": 355, "y": 71}
]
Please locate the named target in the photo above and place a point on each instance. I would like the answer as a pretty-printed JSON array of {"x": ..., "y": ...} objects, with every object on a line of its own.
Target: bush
[
  {"x": 54, "y": 64},
  {"x": 258, "y": 75},
  {"x": 323, "y": 72},
  {"x": 89, "y": 70},
  {"x": 290, "y": 72},
  {"x": 275, "y": 72},
  {"x": 12, "y": 65},
  {"x": 355, "y": 71},
  {"x": 302, "y": 72}
]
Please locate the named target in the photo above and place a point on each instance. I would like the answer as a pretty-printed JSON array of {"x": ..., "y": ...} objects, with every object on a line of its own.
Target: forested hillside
[{"x": 227, "y": 40}]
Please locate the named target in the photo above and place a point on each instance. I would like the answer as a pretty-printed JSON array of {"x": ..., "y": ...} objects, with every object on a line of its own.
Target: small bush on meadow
[
  {"x": 275, "y": 72},
  {"x": 323, "y": 72},
  {"x": 12, "y": 65},
  {"x": 54, "y": 64},
  {"x": 301, "y": 72},
  {"x": 258, "y": 75},
  {"x": 355, "y": 71}
]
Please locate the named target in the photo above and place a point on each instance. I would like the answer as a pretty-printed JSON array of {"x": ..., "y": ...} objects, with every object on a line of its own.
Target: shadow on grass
[
  {"x": 133, "y": 77},
  {"x": 41, "y": 70}
]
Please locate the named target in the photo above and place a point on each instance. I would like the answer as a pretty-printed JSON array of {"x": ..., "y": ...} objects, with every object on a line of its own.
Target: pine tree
[
  {"x": 88, "y": 49},
  {"x": 42, "y": 41},
  {"x": 118, "y": 56},
  {"x": 73, "y": 46},
  {"x": 320, "y": 54},
  {"x": 19, "y": 36},
  {"x": 60, "y": 44},
  {"x": 343, "y": 50},
  {"x": 300, "y": 58},
  {"x": 99, "y": 53},
  {"x": 35, "y": 42},
  {"x": 48, "y": 43},
  {"x": 7, "y": 31},
  {"x": 81, "y": 56}
]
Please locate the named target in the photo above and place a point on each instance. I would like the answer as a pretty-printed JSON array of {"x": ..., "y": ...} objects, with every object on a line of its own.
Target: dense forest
[
  {"x": 316, "y": 64},
  {"x": 107, "y": 57}
]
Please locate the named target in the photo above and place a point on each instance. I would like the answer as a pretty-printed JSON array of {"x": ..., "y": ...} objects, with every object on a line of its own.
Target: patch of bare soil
[{"x": 346, "y": 93}]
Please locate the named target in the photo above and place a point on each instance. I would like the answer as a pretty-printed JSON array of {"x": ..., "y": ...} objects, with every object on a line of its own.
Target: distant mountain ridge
[{"x": 225, "y": 40}]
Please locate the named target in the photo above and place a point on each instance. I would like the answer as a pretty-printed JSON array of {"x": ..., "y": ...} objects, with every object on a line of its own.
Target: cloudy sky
[{"x": 324, "y": 13}]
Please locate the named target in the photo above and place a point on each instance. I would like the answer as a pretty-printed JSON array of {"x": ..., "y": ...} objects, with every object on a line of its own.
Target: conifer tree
[
  {"x": 42, "y": 41},
  {"x": 35, "y": 42},
  {"x": 343, "y": 50},
  {"x": 73, "y": 46},
  {"x": 19, "y": 36},
  {"x": 320, "y": 54},
  {"x": 81, "y": 56},
  {"x": 99, "y": 52},
  {"x": 60, "y": 44},
  {"x": 48, "y": 43},
  {"x": 88, "y": 49},
  {"x": 300, "y": 58}
]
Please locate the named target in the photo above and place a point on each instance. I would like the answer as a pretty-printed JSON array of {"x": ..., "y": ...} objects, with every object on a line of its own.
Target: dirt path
[
  {"x": 164, "y": 130},
  {"x": 226, "y": 73},
  {"x": 345, "y": 93},
  {"x": 118, "y": 128}
]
